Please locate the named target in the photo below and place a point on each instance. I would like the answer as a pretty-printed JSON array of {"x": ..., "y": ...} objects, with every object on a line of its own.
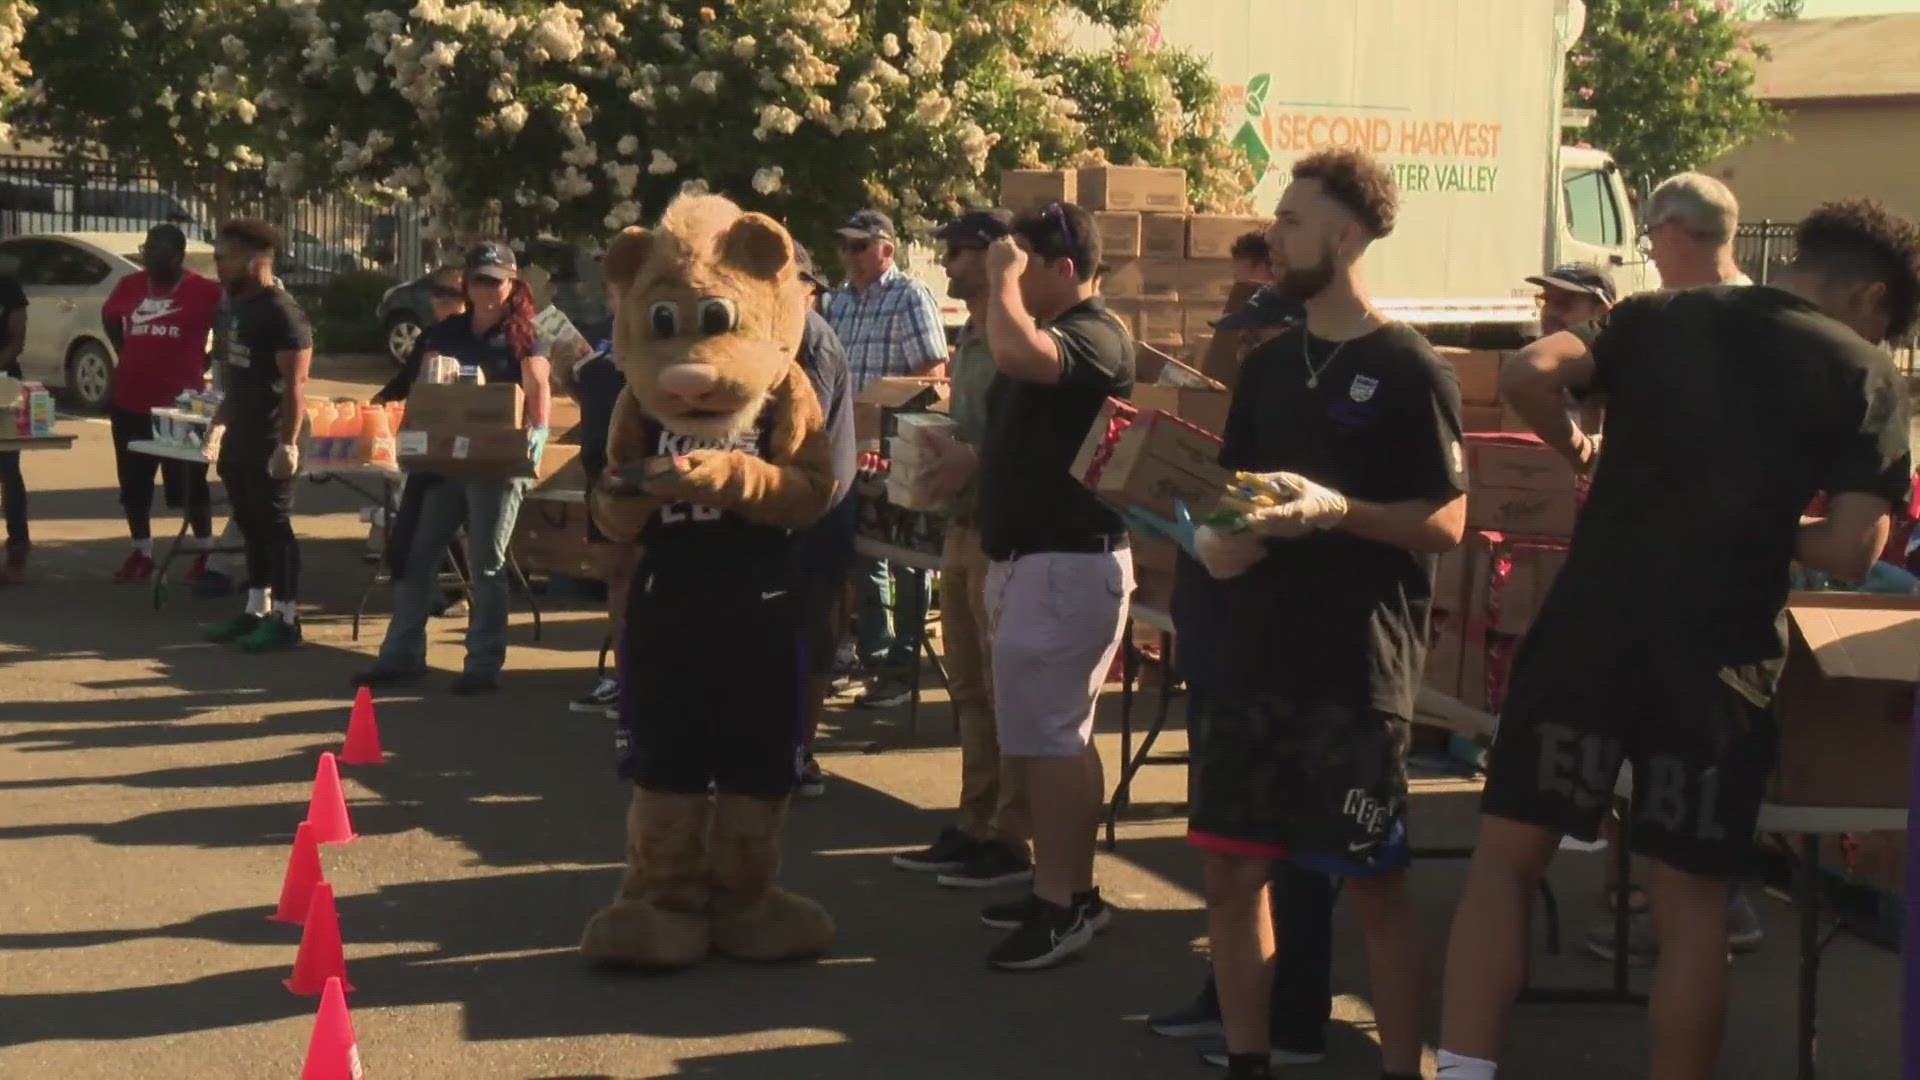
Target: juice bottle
[
  {"x": 325, "y": 416},
  {"x": 376, "y": 438}
]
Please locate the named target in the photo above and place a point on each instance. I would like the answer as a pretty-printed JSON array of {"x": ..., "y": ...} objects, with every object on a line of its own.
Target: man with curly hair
[
  {"x": 1729, "y": 409},
  {"x": 1312, "y": 616}
]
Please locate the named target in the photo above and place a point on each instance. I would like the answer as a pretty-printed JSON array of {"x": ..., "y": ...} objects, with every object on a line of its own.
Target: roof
[{"x": 1860, "y": 59}]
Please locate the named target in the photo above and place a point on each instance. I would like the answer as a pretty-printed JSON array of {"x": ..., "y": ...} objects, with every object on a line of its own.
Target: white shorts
[{"x": 1057, "y": 619}]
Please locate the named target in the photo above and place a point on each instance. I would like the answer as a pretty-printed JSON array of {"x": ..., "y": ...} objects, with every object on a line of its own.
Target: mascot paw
[
  {"x": 777, "y": 926},
  {"x": 636, "y": 933}
]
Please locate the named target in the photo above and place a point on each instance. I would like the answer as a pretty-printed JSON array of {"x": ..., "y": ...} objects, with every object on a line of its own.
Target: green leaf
[{"x": 1257, "y": 94}]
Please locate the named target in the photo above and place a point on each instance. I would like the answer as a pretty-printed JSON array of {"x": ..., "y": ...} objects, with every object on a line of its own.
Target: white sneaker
[{"x": 603, "y": 697}]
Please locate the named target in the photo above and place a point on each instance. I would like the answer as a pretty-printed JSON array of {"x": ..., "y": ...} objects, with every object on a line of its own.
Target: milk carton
[{"x": 35, "y": 412}]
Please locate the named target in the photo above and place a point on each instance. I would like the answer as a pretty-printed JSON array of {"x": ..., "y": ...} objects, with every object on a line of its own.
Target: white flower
[
  {"x": 768, "y": 180},
  {"x": 628, "y": 145},
  {"x": 744, "y": 47},
  {"x": 235, "y": 49},
  {"x": 127, "y": 31},
  {"x": 694, "y": 187},
  {"x": 167, "y": 99},
  {"x": 642, "y": 98},
  {"x": 625, "y": 176},
  {"x": 707, "y": 82},
  {"x": 662, "y": 165},
  {"x": 246, "y": 110},
  {"x": 365, "y": 80},
  {"x": 513, "y": 117},
  {"x": 890, "y": 45},
  {"x": 862, "y": 93},
  {"x": 672, "y": 41},
  {"x": 933, "y": 109}
]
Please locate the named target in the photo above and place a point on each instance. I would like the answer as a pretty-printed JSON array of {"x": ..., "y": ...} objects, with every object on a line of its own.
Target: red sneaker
[
  {"x": 198, "y": 571},
  {"x": 136, "y": 570}
]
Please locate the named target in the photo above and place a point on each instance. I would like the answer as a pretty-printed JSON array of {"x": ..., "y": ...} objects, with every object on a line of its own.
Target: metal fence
[
  {"x": 324, "y": 237},
  {"x": 1763, "y": 248}
]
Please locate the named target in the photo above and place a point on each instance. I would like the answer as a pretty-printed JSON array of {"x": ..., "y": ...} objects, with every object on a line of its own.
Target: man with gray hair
[{"x": 1690, "y": 220}]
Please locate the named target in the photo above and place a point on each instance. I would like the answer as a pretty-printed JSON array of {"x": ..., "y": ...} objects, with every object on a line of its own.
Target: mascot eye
[
  {"x": 718, "y": 316},
  {"x": 665, "y": 319}
]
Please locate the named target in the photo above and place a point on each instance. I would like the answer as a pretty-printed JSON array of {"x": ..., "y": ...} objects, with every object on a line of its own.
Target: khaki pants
[{"x": 993, "y": 799}]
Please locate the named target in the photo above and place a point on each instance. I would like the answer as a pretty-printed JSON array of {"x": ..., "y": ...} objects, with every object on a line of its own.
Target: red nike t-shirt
[{"x": 163, "y": 338}]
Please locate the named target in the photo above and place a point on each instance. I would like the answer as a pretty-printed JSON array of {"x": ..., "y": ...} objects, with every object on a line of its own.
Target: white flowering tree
[
  {"x": 14, "y": 16},
  {"x": 575, "y": 119}
]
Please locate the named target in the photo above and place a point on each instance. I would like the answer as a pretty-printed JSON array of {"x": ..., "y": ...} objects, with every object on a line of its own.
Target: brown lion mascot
[{"x": 716, "y": 456}]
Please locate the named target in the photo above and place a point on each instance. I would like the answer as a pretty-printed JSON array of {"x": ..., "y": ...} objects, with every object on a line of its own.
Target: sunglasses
[{"x": 857, "y": 247}]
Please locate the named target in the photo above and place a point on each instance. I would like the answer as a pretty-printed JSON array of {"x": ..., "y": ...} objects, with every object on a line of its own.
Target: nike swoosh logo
[
  {"x": 771, "y": 595},
  {"x": 141, "y": 318},
  {"x": 1360, "y": 848}
]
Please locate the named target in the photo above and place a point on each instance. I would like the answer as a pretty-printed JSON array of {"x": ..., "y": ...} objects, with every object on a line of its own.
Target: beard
[
  {"x": 966, "y": 288},
  {"x": 1303, "y": 283}
]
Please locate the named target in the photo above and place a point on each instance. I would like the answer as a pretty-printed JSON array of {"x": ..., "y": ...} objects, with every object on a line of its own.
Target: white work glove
[
  {"x": 1227, "y": 555},
  {"x": 284, "y": 462},
  {"x": 1305, "y": 507}
]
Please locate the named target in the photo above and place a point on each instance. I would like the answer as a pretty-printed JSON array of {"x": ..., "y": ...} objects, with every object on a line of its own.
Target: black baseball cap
[
  {"x": 1580, "y": 278},
  {"x": 868, "y": 225},
  {"x": 977, "y": 227},
  {"x": 492, "y": 259},
  {"x": 803, "y": 259},
  {"x": 1264, "y": 310}
]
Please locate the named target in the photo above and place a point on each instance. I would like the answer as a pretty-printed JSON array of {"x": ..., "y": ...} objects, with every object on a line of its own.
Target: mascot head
[{"x": 709, "y": 315}]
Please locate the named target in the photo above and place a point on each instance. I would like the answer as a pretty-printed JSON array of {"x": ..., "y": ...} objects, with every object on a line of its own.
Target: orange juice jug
[
  {"x": 376, "y": 438},
  {"x": 325, "y": 416}
]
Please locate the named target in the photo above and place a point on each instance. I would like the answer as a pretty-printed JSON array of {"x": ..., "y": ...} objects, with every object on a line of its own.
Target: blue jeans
[
  {"x": 13, "y": 494},
  {"x": 488, "y": 508},
  {"x": 889, "y": 635}
]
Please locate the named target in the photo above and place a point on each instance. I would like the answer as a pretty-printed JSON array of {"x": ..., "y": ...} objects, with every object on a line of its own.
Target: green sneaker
[
  {"x": 232, "y": 630},
  {"x": 271, "y": 634}
]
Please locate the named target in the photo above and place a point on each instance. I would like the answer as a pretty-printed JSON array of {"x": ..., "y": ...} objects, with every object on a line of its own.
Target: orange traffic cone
[
  {"x": 327, "y": 812},
  {"x": 303, "y": 873},
  {"x": 332, "y": 1053},
  {"x": 363, "y": 734},
  {"x": 321, "y": 958}
]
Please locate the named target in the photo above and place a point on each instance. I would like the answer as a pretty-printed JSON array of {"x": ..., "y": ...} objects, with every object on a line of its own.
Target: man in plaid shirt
[{"x": 890, "y": 325}]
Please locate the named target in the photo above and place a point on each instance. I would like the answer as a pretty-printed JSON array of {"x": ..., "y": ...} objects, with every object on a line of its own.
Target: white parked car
[{"x": 67, "y": 278}]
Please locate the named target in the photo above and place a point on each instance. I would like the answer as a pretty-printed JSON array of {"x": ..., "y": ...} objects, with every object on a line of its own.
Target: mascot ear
[
  {"x": 625, "y": 256},
  {"x": 757, "y": 245}
]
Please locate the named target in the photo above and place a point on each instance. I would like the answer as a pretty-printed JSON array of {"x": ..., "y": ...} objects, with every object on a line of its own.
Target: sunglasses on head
[{"x": 1056, "y": 215}]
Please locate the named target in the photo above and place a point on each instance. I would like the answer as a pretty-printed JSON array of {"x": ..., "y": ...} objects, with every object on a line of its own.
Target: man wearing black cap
[
  {"x": 988, "y": 846},
  {"x": 890, "y": 326},
  {"x": 1572, "y": 295}
]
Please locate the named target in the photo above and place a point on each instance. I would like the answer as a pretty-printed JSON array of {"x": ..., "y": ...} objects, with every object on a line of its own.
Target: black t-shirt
[
  {"x": 266, "y": 323},
  {"x": 12, "y": 299},
  {"x": 828, "y": 544},
  {"x": 1728, "y": 409},
  {"x": 1331, "y": 616},
  {"x": 1029, "y": 498},
  {"x": 491, "y": 352}
]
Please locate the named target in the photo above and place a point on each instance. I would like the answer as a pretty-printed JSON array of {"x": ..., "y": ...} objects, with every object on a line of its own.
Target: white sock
[
  {"x": 288, "y": 611},
  {"x": 144, "y": 547},
  {"x": 1455, "y": 1067},
  {"x": 259, "y": 601}
]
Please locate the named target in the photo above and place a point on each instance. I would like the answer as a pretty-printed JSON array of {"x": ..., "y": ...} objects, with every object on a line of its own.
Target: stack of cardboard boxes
[
  {"x": 892, "y": 421},
  {"x": 1168, "y": 271}
]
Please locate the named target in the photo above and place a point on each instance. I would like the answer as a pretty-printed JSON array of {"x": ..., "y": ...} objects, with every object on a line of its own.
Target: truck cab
[{"x": 1596, "y": 222}]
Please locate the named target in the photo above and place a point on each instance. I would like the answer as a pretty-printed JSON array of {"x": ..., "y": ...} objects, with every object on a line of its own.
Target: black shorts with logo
[
  {"x": 1322, "y": 782},
  {"x": 1700, "y": 737}
]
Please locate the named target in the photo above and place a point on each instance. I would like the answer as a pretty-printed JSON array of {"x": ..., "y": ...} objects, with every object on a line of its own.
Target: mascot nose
[{"x": 689, "y": 381}]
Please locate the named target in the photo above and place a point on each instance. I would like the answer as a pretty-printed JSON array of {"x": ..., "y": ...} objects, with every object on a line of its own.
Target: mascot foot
[
  {"x": 754, "y": 919},
  {"x": 659, "y": 920}
]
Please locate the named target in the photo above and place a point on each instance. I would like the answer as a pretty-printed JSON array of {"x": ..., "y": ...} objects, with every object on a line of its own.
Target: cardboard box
[
  {"x": 551, "y": 538},
  {"x": 1163, "y": 236},
  {"x": 1133, "y": 279},
  {"x": 1206, "y": 409},
  {"x": 1480, "y": 418},
  {"x": 1211, "y": 236},
  {"x": 1450, "y": 580},
  {"x": 1131, "y": 187},
  {"x": 1846, "y": 700},
  {"x": 1445, "y": 652},
  {"x": 1119, "y": 234},
  {"x": 875, "y": 406},
  {"x": 1160, "y": 460},
  {"x": 1154, "y": 559},
  {"x": 1037, "y": 189},
  {"x": 464, "y": 430},
  {"x": 1519, "y": 486},
  {"x": 1478, "y": 371},
  {"x": 1210, "y": 283},
  {"x": 1153, "y": 588},
  {"x": 1197, "y": 319},
  {"x": 1159, "y": 321}
]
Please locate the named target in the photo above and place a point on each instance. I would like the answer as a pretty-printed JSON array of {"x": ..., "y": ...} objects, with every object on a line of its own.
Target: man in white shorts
[{"x": 1060, "y": 571}]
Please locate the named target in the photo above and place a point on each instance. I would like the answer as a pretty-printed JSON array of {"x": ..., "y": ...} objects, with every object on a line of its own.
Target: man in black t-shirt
[
  {"x": 1728, "y": 409},
  {"x": 1315, "y": 613},
  {"x": 1059, "y": 571},
  {"x": 13, "y": 486},
  {"x": 265, "y": 381}
]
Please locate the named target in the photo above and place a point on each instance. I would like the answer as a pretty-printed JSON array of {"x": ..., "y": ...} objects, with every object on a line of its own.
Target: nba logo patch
[{"x": 1363, "y": 388}]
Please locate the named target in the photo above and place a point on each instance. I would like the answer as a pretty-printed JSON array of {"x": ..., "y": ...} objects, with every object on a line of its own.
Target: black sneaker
[
  {"x": 990, "y": 865},
  {"x": 604, "y": 695},
  {"x": 1014, "y": 914},
  {"x": 950, "y": 851},
  {"x": 1198, "y": 1019},
  {"x": 473, "y": 682},
  {"x": 1049, "y": 935},
  {"x": 1278, "y": 1057}
]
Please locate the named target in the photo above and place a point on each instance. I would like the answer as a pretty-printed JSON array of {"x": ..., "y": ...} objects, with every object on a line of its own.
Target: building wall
[{"x": 1828, "y": 152}]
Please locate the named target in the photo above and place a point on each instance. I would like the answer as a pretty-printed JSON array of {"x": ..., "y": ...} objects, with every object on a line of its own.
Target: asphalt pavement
[{"x": 150, "y": 785}]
